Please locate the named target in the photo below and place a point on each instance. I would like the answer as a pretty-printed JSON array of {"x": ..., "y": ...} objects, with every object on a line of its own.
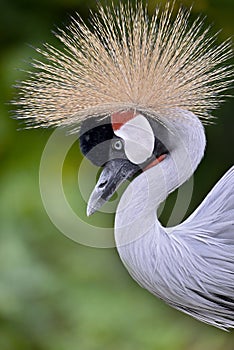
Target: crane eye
[{"x": 117, "y": 145}]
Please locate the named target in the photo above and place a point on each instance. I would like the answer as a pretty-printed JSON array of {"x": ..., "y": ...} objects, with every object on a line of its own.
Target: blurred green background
[{"x": 54, "y": 293}]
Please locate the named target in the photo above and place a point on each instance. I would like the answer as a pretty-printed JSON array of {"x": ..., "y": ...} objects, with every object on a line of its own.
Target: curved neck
[{"x": 136, "y": 213}]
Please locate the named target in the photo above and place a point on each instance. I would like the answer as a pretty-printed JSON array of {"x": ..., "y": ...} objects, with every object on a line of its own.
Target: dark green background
[{"x": 56, "y": 294}]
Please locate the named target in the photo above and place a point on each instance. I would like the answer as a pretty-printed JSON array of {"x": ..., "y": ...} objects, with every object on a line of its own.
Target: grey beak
[{"x": 115, "y": 172}]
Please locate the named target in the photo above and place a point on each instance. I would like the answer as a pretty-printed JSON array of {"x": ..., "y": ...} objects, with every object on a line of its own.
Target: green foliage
[{"x": 54, "y": 293}]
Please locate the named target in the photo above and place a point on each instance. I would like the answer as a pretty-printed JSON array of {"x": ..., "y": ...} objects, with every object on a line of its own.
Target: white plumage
[
  {"x": 191, "y": 265},
  {"x": 171, "y": 73}
]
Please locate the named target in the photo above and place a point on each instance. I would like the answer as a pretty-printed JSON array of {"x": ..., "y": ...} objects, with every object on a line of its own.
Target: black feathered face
[
  {"x": 98, "y": 143},
  {"x": 124, "y": 145}
]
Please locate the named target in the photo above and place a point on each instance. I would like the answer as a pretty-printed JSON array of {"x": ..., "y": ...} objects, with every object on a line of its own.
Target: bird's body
[
  {"x": 190, "y": 266},
  {"x": 138, "y": 87}
]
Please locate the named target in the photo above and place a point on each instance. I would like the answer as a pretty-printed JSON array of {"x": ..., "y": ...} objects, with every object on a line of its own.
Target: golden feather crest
[{"x": 127, "y": 60}]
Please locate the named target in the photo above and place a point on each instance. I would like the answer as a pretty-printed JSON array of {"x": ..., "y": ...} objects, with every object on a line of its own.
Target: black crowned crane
[{"x": 138, "y": 91}]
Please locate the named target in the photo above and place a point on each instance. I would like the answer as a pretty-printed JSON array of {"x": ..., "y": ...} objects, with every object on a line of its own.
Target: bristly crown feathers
[{"x": 127, "y": 61}]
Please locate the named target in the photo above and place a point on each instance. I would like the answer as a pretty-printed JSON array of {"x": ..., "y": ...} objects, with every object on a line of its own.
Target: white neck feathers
[{"x": 136, "y": 213}]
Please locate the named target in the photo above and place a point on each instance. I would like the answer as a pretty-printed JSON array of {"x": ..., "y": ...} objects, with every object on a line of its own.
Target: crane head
[{"x": 124, "y": 144}]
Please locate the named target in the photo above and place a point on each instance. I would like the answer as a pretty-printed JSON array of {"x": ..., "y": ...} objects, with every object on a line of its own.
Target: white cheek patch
[{"x": 138, "y": 139}]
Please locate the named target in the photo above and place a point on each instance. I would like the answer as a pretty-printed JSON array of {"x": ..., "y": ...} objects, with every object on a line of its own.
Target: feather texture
[
  {"x": 127, "y": 60},
  {"x": 174, "y": 72},
  {"x": 190, "y": 266}
]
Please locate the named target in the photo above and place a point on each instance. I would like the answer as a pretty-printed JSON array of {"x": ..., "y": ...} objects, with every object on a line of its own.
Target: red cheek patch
[
  {"x": 155, "y": 162},
  {"x": 120, "y": 118}
]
